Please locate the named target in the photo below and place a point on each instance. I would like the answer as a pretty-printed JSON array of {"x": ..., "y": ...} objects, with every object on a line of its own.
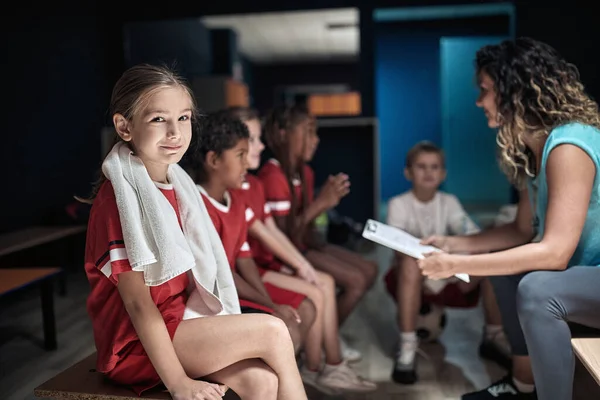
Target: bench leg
[
  {"x": 47, "y": 296},
  {"x": 62, "y": 283}
]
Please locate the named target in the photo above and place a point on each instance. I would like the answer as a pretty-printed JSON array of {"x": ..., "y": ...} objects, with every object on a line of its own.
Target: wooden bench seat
[
  {"x": 588, "y": 351},
  {"x": 82, "y": 381},
  {"x": 12, "y": 242},
  {"x": 15, "y": 279}
]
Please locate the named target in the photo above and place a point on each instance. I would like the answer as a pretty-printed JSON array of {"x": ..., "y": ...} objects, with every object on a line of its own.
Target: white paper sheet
[{"x": 400, "y": 240}]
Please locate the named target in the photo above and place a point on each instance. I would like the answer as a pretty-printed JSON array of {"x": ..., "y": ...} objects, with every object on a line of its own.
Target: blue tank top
[{"x": 587, "y": 138}]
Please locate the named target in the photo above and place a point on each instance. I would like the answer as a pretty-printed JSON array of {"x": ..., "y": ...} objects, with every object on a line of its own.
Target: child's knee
[
  {"x": 308, "y": 312},
  {"x": 259, "y": 383}
]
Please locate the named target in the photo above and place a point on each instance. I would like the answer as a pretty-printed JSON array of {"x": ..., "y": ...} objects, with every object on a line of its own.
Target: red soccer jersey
[
  {"x": 253, "y": 194},
  {"x": 277, "y": 191},
  {"x": 231, "y": 221},
  {"x": 105, "y": 259}
]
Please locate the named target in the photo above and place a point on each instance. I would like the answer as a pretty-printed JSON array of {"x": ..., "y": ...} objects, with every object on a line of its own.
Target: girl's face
[
  {"x": 255, "y": 145},
  {"x": 487, "y": 100},
  {"x": 312, "y": 141},
  {"x": 230, "y": 167},
  {"x": 160, "y": 134},
  {"x": 297, "y": 137}
]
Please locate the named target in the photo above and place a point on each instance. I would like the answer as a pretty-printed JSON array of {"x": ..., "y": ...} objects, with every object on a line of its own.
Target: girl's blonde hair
[{"x": 536, "y": 91}]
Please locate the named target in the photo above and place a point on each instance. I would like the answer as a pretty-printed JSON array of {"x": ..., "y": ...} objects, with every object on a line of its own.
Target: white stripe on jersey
[
  {"x": 249, "y": 214},
  {"x": 245, "y": 247},
  {"x": 279, "y": 205},
  {"x": 107, "y": 269}
]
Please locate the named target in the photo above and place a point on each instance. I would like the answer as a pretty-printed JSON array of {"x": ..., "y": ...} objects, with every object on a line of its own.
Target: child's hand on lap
[{"x": 190, "y": 389}]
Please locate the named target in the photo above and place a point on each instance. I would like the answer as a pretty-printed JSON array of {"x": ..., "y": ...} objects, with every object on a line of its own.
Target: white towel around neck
[{"x": 156, "y": 243}]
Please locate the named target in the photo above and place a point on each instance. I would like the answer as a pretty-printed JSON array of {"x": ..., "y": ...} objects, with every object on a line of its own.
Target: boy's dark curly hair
[
  {"x": 536, "y": 91},
  {"x": 216, "y": 132}
]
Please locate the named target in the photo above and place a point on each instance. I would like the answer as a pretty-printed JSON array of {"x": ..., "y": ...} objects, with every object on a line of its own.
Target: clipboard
[{"x": 401, "y": 241}]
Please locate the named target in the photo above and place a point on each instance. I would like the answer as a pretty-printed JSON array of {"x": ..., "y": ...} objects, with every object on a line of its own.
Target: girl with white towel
[{"x": 163, "y": 304}]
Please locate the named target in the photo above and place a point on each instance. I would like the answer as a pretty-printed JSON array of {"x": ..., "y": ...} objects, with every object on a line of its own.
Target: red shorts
[
  {"x": 283, "y": 296},
  {"x": 135, "y": 369},
  {"x": 279, "y": 296}
]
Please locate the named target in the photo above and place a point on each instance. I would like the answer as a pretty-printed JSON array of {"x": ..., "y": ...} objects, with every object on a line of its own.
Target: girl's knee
[
  {"x": 276, "y": 327},
  {"x": 326, "y": 281},
  {"x": 354, "y": 281},
  {"x": 258, "y": 383},
  {"x": 308, "y": 312}
]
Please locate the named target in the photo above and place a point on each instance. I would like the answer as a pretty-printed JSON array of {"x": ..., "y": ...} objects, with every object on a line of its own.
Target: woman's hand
[
  {"x": 190, "y": 389},
  {"x": 438, "y": 265},
  {"x": 444, "y": 243}
]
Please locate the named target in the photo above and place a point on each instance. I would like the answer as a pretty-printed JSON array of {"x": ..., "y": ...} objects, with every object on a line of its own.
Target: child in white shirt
[{"x": 425, "y": 211}]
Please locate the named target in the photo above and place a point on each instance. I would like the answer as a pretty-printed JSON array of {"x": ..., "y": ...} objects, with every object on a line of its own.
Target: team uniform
[
  {"x": 121, "y": 356},
  {"x": 277, "y": 190},
  {"x": 253, "y": 194},
  {"x": 231, "y": 221}
]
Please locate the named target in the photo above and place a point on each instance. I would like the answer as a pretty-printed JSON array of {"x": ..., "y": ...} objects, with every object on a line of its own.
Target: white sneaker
[
  {"x": 311, "y": 378},
  {"x": 348, "y": 353},
  {"x": 343, "y": 377}
]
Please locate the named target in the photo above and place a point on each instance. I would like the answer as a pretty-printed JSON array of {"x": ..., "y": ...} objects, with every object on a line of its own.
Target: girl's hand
[
  {"x": 190, "y": 389},
  {"x": 308, "y": 273}
]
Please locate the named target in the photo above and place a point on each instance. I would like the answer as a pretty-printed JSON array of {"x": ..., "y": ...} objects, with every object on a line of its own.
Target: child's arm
[
  {"x": 153, "y": 334},
  {"x": 279, "y": 244},
  {"x": 249, "y": 273}
]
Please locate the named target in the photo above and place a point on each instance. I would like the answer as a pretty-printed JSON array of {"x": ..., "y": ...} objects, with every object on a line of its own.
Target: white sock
[
  {"x": 492, "y": 330},
  {"x": 408, "y": 337},
  {"x": 408, "y": 347},
  {"x": 523, "y": 387}
]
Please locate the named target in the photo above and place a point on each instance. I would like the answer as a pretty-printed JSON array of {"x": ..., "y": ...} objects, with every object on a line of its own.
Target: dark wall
[
  {"x": 266, "y": 78},
  {"x": 572, "y": 28},
  {"x": 54, "y": 85},
  {"x": 185, "y": 43}
]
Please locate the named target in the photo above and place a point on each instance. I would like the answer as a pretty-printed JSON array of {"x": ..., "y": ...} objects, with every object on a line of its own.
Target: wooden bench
[
  {"x": 13, "y": 242},
  {"x": 82, "y": 381},
  {"x": 588, "y": 351},
  {"x": 12, "y": 280},
  {"x": 26, "y": 238}
]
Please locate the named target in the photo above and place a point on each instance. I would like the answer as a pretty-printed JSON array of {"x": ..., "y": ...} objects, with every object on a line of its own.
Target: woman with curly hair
[{"x": 544, "y": 265}]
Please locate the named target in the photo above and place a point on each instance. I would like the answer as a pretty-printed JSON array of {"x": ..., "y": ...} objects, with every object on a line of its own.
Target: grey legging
[{"x": 536, "y": 308}]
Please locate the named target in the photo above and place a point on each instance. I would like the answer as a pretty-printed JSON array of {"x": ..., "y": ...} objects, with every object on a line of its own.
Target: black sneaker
[
  {"x": 405, "y": 373},
  {"x": 497, "y": 351},
  {"x": 503, "y": 389}
]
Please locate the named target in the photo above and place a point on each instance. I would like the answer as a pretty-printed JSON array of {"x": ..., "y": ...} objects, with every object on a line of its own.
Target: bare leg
[
  {"x": 208, "y": 345},
  {"x": 353, "y": 282},
  {"x": 408, "y": 290},
  {"x": 308, "y": 315},
  {"x": 368, "y": 268},
  {"x": 250, "y": 379},
  {"x": 324, "y": 332}
]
